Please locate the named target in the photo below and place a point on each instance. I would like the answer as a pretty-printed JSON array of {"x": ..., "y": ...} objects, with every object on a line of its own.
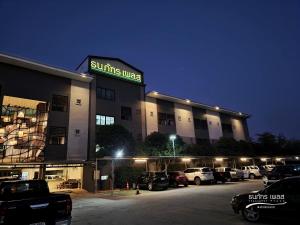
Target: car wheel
[
  {"x": 197, "y": 181},
  {"x": 150, "y": 186},
  {"x": 252, "y": 176},
  {"x": 176, "y": 184},
  {"x": 251, "y": 214}
]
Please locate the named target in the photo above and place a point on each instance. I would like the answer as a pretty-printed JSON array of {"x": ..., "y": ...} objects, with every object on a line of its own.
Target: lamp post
[
  {"x": 119, "y": 154},
  {"x": 172, "y": 138}
]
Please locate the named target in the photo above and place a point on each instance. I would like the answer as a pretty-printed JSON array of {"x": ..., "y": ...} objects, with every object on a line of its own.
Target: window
[
  {"x": 57, "y": 135},
  {"x": 105, "y": 93},
  {"x": 227, "y": 128},
  {"x": 104, "y": 120},
  {"x": 59, "y": 103},
  {"x": 200, "y": 124},
  {"x": 126, "y": 113},
  {"x": 166, "y": 119}
]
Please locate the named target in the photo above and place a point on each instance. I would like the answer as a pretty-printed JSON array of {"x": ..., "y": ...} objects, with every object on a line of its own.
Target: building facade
[{"x": 49, "y": 115}]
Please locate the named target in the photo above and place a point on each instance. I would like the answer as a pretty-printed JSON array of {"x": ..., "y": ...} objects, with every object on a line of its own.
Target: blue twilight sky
[{"x": 242, "y": 54}]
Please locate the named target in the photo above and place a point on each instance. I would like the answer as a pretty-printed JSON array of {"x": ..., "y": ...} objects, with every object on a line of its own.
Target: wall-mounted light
[
  {"x": 186, "y": 159},
  {"x": 263, "y": 159},
  {"x": 244, "y": 159},
  {"x": 240, "y": 113},
  {"x": 119, "y": 153},
  {"x": 155, "y": 92},
  {"x": 83, "y": 75},
  {"x": 217, "y": 108},
  {"x": 187, "y": 101},
  {"x": 140, "y": 160},
  {"x": 278, "y": 159},
  {"x": 219, "y": 159}
]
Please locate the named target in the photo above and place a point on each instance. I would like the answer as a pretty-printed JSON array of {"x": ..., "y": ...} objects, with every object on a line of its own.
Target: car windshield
[{"x": 206, "y": 169}]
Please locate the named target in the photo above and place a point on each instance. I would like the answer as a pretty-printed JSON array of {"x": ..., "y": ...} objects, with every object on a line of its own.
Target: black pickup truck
[{"x": 30, "y": 203}]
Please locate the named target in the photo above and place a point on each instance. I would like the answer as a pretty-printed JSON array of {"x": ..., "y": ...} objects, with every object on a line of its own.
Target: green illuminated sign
[{"x": 115, "y": 69}]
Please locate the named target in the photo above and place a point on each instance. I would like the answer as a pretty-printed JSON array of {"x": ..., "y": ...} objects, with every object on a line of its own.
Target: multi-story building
[
  {"x": 193, "y": 122},
  {"x": 49, "y": 115}
]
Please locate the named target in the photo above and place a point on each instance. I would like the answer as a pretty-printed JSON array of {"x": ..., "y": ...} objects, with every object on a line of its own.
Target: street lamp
[
  {"x": 172, "y": 138},
  {"x": 119, "y": 154}
]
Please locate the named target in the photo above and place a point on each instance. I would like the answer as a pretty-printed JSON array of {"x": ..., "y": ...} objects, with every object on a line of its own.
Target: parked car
[
  {"x": 221, "y": 176},
  {"x": 235, "y": 174},
  {"x": 29, "y": 202},
  {"x": 280, "y": 172},
  {"x": 69, "y": 184},
  {"x": 153, "y": 181},
  {"x": 177, "y": 178},
  {"x": 251, "y": 172},
  {"x": 279, "y": 199},
  {"x": 269, "y": 168},
  {"x": 199, "y": 175}
]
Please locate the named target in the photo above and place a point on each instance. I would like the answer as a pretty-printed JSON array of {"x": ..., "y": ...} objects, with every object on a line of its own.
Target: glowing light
[
  {"x": 172, "y": 137},
  {"x": 83, "y": 75},
  {"x": 187, "y": 101},
  {"x": 279, "y": 159},
  {"x": 186, "y": 159},
  {"x": 140, "y": 160},
  {"x": 240, "y": 113},
  {"x": 263, "y": 159},
  {"x": 119, "y": 154},
  {"x": 219, "y": 159},
  {"x": 217, "y": 108},
  {"x": 155, "y": 92},
  {"x": 244, "y": 159}
]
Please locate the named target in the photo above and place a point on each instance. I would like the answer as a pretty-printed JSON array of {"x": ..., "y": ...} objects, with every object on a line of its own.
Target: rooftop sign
[{"x": 115, "y": 68}]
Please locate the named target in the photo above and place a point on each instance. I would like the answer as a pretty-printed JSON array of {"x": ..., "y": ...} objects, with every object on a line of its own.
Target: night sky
[{"x": 242, "y": 55}]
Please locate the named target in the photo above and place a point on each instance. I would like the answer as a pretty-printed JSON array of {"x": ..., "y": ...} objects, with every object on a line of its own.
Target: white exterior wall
[
  {"x": 78, "y": 120},
  {"x": 214, "y": 125},
  {"x": 151, "y": 115},
  {"x": 238, "y": 129},
  {"x": 184, "y": 122}
]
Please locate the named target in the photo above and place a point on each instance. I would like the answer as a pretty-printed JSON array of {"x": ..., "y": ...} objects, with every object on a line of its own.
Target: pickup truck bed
[{"x": 29, "y": 202}]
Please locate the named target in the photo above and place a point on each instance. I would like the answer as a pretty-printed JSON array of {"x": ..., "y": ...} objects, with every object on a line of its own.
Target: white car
[
  {"x": 235, "y": 174},
  {"x": 199, "y": 175},
  {"x": 269, "y": 168},
  {"x": 251, "y": 172}
]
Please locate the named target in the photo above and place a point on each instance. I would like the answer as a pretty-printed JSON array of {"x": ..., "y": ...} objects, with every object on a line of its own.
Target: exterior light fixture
[
  {"x": 217, "y": 108},
  {"x": 244, "y": 159},
  {"x": 155, "y": 92},
  {"x": 278, "y": 159},
  {"x": 186, "y": 159},
  {"x": 172, "y": 138},
  {"x": 263, "y": 159},
  {"x": 119, "y": 153},
  {"x": 240, "y": 113},
  {"x": 219, "y": 159},
  {"x": 187, "y": 101},
  {"x": 297, "y": 158},
  {"x": 83, "y": 75},
  {"x": 140, "y": 160}
]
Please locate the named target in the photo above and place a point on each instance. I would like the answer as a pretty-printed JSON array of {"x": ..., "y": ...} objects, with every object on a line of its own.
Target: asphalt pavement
[{"x": 204, "y": 204}]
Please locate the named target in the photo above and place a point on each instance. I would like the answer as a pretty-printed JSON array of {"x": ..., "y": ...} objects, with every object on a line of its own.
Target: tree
[
  {"x": 110, "y": 138},
  {"x": 158, "y": 144}
]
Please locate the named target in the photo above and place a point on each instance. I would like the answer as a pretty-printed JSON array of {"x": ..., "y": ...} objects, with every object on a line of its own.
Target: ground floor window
[{"x": 105, "y": 120}]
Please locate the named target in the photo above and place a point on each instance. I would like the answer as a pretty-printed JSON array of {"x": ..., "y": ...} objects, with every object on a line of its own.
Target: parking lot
[{"x": 204, "y": 204}]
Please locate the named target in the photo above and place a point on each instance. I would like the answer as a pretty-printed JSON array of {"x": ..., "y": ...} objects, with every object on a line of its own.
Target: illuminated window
[
  {"x": 57, "y": 135},
  {"x": 105, "y": 93},
  {"x": 59, "y": 103},
  {"x": 105, "y": 120}
]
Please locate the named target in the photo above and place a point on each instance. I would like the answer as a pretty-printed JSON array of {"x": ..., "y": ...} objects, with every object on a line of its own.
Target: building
[
  {"x": 193, "y": 122},
  {"x": 49, "y": 115}
]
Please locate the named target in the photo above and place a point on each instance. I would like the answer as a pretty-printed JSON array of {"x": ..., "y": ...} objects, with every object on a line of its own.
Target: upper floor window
[
  {"x": 166, "y": 119},
  {"x": 200, "y": 124},
  {"x": 227, "y": 128},
  {"x": 105, "y": 93},
  {"x": 105, "y": 120},
  {"x": 126, "y": 113},
  {"x": 57, "y": 135},
  {"x": 59, "y": 103}
]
